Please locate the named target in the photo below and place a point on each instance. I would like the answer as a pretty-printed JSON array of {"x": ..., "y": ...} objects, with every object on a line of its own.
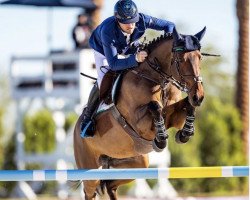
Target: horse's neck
[{"x": 163, "y": 54}]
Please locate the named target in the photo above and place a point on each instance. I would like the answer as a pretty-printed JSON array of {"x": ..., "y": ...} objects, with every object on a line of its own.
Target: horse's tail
[
  {"x": 74, "y": 184},
  {"x": 101, "y": 189}
]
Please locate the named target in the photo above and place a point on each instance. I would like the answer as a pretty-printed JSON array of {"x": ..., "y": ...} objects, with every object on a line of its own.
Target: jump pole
[{"x": 112, "y": 174}]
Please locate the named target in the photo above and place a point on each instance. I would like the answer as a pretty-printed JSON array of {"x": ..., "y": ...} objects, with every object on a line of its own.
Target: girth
[{"x": 142, "y": 145}]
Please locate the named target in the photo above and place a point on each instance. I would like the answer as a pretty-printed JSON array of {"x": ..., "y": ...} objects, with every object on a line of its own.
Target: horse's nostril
[
  {"x": 201, "y": 99},
  {"x": 195, "y": 98}
]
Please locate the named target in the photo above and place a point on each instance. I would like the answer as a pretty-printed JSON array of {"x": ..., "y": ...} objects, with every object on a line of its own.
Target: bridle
[
  {"x": 177, "y": 60},
  {"x": 166, "y": 78}
]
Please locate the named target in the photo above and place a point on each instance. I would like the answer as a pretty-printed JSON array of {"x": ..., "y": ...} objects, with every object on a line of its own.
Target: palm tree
[{"x": 242, "y": 91}]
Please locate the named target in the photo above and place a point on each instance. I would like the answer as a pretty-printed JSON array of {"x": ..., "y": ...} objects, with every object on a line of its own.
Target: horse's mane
[{"x": 151, "y": 45}]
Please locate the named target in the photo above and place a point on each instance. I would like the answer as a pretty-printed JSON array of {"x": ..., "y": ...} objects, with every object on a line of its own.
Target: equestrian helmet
[{"x": 126, "y": 12}]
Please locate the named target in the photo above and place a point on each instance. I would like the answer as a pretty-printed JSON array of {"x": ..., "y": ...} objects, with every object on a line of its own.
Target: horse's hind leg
[
  {"x": 134, "y": 162},
  {"x": 90, "y": 189},
  {"x": 85, "y": 159},
  {"x": 90, "y": 186}
]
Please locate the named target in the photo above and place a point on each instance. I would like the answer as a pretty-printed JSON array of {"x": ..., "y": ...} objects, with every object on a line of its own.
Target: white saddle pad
[{"x": 103, "y": 107}]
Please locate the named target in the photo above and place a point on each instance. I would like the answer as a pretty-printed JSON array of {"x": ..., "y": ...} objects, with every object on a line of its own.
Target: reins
[
  {"x": 166, "y": 78},
  {"x": 208, "y": 54},
  {"x": 88, "y": 76}
]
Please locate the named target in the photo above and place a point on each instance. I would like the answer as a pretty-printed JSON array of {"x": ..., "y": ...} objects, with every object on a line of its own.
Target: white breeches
[
  {"x": 100, "y": 61},
  {"x": 102, "y": 65}
]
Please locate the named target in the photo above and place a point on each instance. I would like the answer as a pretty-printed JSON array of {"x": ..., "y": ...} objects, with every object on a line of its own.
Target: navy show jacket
[{"x": 109, "y": 40}]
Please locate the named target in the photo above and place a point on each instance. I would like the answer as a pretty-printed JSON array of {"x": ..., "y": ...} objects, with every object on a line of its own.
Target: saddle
[{"x": 108, "y": 95}]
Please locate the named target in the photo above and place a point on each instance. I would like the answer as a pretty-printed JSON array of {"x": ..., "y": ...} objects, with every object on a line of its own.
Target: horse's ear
[
  {"x": 200, "y": 35},
  {"x": 176, "y": 35}
]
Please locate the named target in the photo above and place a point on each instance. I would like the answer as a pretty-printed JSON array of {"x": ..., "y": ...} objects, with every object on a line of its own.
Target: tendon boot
[{"x": 87, "y": 123}]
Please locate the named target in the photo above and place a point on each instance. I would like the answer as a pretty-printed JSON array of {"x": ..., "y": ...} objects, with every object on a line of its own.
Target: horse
[{"x": 149, "y": 102}]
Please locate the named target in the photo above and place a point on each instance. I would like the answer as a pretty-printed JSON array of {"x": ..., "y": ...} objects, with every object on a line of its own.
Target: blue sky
[{"x": 24, "y": 30}]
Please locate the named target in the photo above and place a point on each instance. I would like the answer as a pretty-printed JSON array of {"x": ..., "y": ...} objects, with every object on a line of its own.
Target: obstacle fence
[{"x": 112, "y": 174}]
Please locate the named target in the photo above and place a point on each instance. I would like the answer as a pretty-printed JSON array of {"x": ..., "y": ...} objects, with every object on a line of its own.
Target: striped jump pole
[{"x": 112, "y": 174}]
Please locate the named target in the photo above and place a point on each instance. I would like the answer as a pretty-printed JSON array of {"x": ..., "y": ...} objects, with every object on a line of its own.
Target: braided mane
[{"x": 156, "y": 41}]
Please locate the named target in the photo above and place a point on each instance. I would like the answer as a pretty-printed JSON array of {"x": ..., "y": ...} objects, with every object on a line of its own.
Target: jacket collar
[{"x": 121, "y": 36}]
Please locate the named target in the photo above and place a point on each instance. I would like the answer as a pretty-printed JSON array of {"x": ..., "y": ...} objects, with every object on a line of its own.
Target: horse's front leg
[
  {"x": 178, "y": 114},
  {"x": 183, "y": 135},
  {"x": 161, "y": 136}
]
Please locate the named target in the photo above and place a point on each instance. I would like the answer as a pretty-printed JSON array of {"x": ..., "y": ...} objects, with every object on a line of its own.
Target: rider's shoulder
[
  {"x": 109, "y": 22},
  {"x": 109, "y": 26},
  {"x": 143, "y": 17}
]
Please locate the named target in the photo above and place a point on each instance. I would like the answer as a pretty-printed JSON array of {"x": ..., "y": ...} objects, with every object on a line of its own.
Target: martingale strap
[{"x": 141, "y": 144}]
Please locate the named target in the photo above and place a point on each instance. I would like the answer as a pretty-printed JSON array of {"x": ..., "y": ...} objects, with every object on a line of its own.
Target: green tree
[
  {"x": 8, "y": 164},
  {"x": 217, "y": 140},
  {"x": 70, "y": 121},
  {"x": 4, "y": 103},
  {"x": 39, "y": 131},
  {"x": 221, "y": 144},
  {"x": 6, "y": 149}
]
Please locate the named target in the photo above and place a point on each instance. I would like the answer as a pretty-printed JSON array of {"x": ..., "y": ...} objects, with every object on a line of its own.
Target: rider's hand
[{"x": 141, "y": 56}]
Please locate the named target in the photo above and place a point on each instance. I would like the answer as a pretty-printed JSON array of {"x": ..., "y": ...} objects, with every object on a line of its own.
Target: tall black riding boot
[{"x": 87, "y": 123}]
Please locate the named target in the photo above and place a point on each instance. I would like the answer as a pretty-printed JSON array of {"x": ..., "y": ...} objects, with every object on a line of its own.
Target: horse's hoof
[
  {"x": 180, "y": 138},
  {"x": 159, "y": 146},
  {"x": 153, "y": 105}
]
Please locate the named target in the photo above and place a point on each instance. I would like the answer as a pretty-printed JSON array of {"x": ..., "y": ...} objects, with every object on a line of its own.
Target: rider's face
[{"x": 127, "y": 28}]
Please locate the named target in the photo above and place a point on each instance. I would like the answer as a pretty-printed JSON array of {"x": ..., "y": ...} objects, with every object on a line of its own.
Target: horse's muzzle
[{"x": 197, "y": 100}]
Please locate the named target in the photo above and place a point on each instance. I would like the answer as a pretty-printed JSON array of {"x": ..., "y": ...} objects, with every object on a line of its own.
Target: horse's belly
[
  {"x": 111, "y": 139},
  {"x": 116, "y": 144}
]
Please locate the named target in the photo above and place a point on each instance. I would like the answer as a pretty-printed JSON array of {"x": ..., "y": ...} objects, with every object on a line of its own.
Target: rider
[{"x": 112, "y": 43}]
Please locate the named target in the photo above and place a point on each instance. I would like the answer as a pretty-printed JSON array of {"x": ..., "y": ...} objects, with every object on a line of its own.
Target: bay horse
[{"x": 149, "y": 102}]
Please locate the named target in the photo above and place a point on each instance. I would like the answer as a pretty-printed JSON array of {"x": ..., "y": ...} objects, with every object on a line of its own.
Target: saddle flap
[
  {"x": 106, "y": 85},
  {"x": 110, "y": 86},
  {"x": 116, "y": 88},
  {"x": 109, "y": 92}
]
